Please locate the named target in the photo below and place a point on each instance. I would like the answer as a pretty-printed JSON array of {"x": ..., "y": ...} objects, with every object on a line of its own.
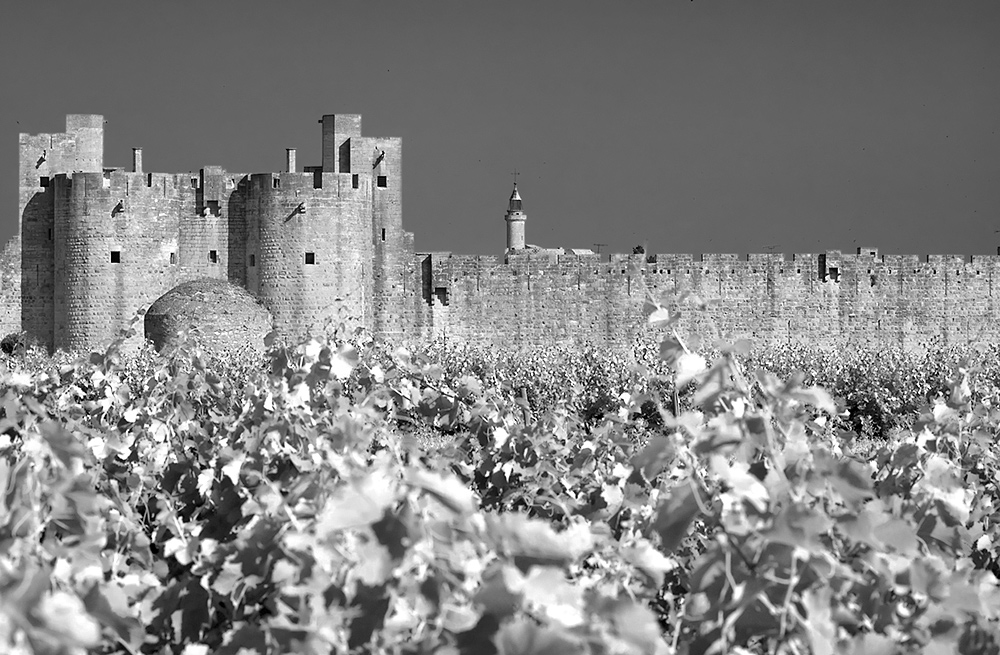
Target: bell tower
[{"x": 515, "y": 221}]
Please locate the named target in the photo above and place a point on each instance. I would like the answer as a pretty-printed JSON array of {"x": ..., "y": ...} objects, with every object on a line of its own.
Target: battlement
[{"x": 97, "y": 242}]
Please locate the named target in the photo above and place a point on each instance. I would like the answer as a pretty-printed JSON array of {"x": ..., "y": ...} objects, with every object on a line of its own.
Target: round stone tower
[
  {"x": 312, "y": 247},
  {"x": 113, "y": 239},
  {"x": 515, "y": 222}
]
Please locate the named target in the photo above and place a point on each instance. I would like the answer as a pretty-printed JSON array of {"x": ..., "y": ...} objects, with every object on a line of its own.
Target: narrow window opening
[
  {"x": 173, "y": 258},
  {"x": 317, "y": 179},
  {"x": 441, "y": 293},
  {"x": 383, "y": 234},
  {"x": 381, "y": 181},
  {"x": 194, "y": 183},
  {"x": 276, "y": 183},
  {"x": 50, "y": 234},
  {"x": 116, "y": 256},
  {"x": 43, "y": 181},
  {"x": 149, "y": 179},
  {"x": 310, "y": 258},
  {"x": 213, "y": 256},
  {"x": 354, "y": 181},
  {"x": 253, "y": 260},
  {"x": 834, "y": 273}
]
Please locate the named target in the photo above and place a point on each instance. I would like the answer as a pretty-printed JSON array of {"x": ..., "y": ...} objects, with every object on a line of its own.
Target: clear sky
[{"x": 694, "y": 127}]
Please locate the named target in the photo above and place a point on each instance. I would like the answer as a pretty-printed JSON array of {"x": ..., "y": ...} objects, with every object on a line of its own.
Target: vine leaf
[
  {"x": 372, "y": 603},
  {"x": 500, "y": 594},
  {"x": 675, "y": 514},
  {"x": 524, "y": 637},
  {"x": 479, "y": 639},
  {"x": 650, "y": 561},
  {"x": 658, "y": 454},
  {"x": 637, "y": 625},
  {"x": 448, "y": 490},
  {"x": 533, "y": 541},
  {"x": 244, "y": 640},
  {"x": 819, "y": 624},
  {"x": 561, "y": 602},
  {"x": 899, "y": 535},
  {"x": 358, "y": 503},
  {"x": 853, "y": 482}
]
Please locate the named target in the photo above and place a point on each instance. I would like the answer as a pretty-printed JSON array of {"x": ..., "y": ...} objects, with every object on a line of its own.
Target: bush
[{"x": 176, "y": 504}]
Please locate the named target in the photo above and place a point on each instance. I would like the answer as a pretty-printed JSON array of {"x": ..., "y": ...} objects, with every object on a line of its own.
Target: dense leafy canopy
[{"x": 674, "y": 500}]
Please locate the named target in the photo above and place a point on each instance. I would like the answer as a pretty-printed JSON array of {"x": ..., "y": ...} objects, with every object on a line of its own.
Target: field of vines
[{"x": 344, "y": 496}]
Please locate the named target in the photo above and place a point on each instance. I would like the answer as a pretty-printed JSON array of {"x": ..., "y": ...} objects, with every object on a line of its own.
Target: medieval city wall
[
  {"x": 95, "y": 244},
  {"x": 831, "y": 298}
]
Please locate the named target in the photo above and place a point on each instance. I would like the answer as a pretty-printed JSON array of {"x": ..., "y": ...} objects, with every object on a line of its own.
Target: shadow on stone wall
[
  {"x": 37, "y": 285},
  {"x": 236, "y": 260}
]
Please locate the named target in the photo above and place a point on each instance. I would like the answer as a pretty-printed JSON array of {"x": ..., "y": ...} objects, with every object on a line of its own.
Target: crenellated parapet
[
  {"x": 541, "y": 296},
  {"x": 96, "y": 243},
  {"x": 326, "y": 241}
]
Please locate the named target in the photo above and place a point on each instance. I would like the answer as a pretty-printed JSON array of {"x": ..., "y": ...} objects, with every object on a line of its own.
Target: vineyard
[{"x": 340, "y": 495}]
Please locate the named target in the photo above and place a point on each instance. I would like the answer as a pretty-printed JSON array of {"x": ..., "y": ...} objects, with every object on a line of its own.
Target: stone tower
[
  {"x": 97, "y": 243},
  {"x": 515, "y": 221},
  {"x": 43, "y": 238}
]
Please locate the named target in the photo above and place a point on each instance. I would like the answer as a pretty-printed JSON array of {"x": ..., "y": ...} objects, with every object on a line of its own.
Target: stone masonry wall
[
  {"x": 41, "y": 157},
  {"x": 10, "y": 287},
  {"x": 381, "y": 160},
  {"x": 118, "y": 246},
  {"x": 832, "y": 299},
  {"x": 95, "y": 244},
  {"x": 312, "y": 235}
]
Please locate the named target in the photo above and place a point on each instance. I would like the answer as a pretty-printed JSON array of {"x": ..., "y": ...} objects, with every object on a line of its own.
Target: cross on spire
[{"x": 515, "y": 176}]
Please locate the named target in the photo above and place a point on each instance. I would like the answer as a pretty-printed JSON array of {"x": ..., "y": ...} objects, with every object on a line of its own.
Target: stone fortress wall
[
  {"x": 831, "y": 298},
  {"x": 95, "y": 244}
]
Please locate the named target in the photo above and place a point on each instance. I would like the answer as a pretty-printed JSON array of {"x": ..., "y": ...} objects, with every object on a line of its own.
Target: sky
[{"x": 686, "y": 127}]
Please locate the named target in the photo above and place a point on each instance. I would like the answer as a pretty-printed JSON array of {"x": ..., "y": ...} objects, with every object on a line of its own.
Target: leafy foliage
[
  {"x": 693, "y": 504},
  {"x": 881, "y": 388}
]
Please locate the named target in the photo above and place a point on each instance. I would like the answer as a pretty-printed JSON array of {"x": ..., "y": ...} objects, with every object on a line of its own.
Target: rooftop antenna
[
  {"x": 515, "y": 176},
  {"x": 599, "y": 246}
]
